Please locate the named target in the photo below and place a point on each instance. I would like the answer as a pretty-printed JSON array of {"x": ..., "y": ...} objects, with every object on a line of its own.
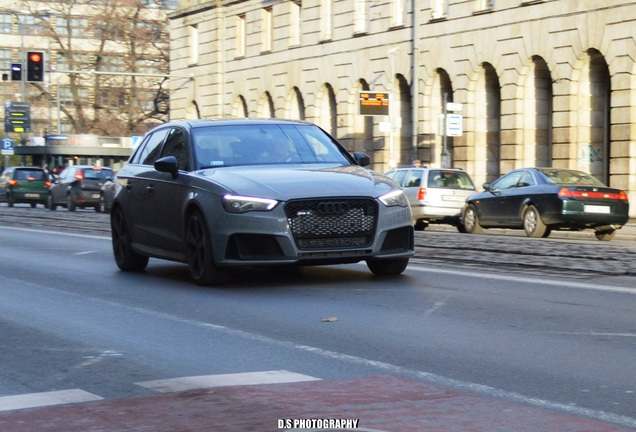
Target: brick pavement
[{"x": 379, "y": 403}]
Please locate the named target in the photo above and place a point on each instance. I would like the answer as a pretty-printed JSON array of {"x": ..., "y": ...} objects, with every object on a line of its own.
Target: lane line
[
  {"x": 577, "y": 284},
  {"x": 32, "y": 400},
  {"x": 225, "y": 380}
]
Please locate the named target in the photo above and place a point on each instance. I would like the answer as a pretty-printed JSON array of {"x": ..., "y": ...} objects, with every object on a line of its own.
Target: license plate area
[{"x": 596, "y": 209}]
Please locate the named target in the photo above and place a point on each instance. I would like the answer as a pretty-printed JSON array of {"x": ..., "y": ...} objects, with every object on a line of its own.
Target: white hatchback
[{"x": 436, "y": 195}]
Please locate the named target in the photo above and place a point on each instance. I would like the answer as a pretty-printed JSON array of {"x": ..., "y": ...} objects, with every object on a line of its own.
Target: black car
[
  {"x": 217, "y": 194},
  {"x": 79, "y": 186},
  {"x": 539, "y": 200}
]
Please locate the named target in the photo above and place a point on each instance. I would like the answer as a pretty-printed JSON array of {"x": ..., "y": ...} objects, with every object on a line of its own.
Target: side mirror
[
  {"x": 168, "y": 164},
  {"x": 362, "y": 159},
  {"x": 487, "y": 186}
]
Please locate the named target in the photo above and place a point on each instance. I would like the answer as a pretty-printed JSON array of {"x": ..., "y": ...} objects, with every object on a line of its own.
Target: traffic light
[
  {"x": 35, "y": 66},
  {"x": 16, "y": 71}
]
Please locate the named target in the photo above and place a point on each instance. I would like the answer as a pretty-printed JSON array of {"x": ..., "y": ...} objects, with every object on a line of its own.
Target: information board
[{"x": 373, "y": 103}]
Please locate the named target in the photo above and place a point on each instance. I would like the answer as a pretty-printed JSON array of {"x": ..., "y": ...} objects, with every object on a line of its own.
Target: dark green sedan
[
  {"x": 540, "y": 200},
  {"x": 24, "y": 185}
]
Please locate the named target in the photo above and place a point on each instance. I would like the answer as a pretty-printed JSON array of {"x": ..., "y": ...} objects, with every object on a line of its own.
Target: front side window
[
  {"x": 508, "y": 181},
  {"x": 148, "y": 151},
  {"x": 176, "y": 146},
  {"x": 413, "y": 179}
]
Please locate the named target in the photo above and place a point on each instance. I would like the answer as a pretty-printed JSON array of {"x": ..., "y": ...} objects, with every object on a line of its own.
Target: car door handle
[
  {"x": 150, "y": 189},
  {"x": 128, "y": 186}
]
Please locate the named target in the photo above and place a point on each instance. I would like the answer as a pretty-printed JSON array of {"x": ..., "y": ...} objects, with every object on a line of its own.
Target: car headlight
[
  {"x": 395, "y": 198},
  {"x": 242, "y": 204}
]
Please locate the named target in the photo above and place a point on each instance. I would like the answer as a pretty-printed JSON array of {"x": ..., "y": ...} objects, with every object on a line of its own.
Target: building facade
[{"x": 484, "y": 85}]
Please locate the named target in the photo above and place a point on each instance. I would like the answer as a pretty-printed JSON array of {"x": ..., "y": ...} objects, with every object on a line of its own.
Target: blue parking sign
[{"x": 7, "y": 146}]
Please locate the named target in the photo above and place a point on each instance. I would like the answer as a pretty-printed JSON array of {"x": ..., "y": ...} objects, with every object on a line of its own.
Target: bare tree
[{"x": 111, "y": 60}]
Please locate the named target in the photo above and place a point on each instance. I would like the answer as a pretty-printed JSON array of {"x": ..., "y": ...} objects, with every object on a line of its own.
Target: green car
[{"x": 24, "y": 185}]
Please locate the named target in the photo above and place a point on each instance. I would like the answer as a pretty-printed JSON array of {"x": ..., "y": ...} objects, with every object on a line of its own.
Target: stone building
[{"x": 529, "y": 82}]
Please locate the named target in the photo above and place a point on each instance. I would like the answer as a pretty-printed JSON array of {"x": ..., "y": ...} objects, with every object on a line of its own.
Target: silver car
[
  {"x": 218, "y": 194},
  {"x": 436, "y": 195}
]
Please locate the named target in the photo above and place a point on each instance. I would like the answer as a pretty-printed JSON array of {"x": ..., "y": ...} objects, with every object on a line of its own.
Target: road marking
[
  {"x": 32, "y": 400},
  {"x": 578, "y": 284},
  {"x": 225, "y": 380}
]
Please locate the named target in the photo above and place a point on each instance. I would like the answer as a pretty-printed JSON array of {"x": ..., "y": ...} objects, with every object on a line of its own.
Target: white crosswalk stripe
[
  {"x": 224, "y": 380},
  {"x": 32, "y": 400}
]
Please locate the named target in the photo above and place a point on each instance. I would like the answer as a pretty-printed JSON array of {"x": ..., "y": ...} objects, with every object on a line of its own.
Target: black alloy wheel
[
  {"x": 70, "y": 204},
  {"x": 50, "y": 203},
  {"x": 125, "y": 257},
  {"x": 199, "y": 253}
]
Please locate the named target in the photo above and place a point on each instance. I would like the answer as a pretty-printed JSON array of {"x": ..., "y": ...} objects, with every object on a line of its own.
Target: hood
[{"x": 300, "y": 181}]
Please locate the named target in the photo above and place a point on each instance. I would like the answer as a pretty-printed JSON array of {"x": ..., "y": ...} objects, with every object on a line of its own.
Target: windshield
[
  {"x": 569, "y": 177},
  {"x": 263, "y": 144}
]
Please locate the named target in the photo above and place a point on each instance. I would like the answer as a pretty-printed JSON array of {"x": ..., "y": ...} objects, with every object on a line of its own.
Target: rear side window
[{"x": 450, "y": 179}]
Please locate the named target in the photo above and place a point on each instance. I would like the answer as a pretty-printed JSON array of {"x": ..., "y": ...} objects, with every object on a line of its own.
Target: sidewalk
[{"x": 373, "y": 404}]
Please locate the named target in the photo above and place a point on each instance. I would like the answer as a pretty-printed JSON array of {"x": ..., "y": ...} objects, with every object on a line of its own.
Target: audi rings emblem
[{"x": 333, "y": 207}]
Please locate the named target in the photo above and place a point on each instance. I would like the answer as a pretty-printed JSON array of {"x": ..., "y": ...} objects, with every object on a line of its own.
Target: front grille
[{"x": 332, "y": 222}]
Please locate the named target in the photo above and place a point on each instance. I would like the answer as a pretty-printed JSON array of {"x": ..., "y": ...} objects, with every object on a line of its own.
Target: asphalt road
[
  {"x": 574, "y": 253},
  {"x": 559, "y": 339}
]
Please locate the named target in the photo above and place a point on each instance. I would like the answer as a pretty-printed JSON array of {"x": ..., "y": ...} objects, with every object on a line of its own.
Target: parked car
[
  {"x": 78, "y": 186},
  {"x": 107, "y": 194},
  {"x": 436, "y": 195},
  {"x": 24, "y": 185},
  {"x": 217, "y": 194},
  {"x": 540, "y": 200}
]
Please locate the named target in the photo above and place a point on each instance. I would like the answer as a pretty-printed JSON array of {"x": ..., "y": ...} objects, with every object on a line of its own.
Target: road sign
[
  {"x": 7, "y": 147},
  {"x": 453, "y": 125},
  {"x": 17, "y": 117},
  {"x": 450, "y": 106},
  {"x": 373, "y": 103}
]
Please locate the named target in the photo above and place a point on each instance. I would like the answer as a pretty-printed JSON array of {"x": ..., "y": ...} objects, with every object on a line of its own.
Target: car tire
[
  {"x": 50, "y": 204},
  {"x": 461, "y": 228},
  {"x": 199, "y": 253},
  {"x": 532, "y": 223},
  {"x": 420, "y": 225},
  {"x": 70, "y": 204},
  {"x": 605, "y": 235},
  {"x": 10, "y": 201},
  {"x": 125, "y": 257},
  {"x": 471, "y": 221},
  {"x": 33, "y": 205},
  {"x": 388, "y": 267},
  {"x": 101, "y": 207}
]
